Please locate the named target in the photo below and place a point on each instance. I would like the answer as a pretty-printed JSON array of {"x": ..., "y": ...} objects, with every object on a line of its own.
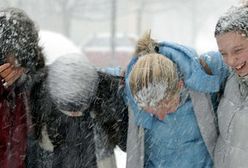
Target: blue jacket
[{"x": 176, "y": 141}]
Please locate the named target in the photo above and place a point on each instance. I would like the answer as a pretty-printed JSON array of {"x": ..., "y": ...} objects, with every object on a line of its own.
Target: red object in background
[
  {"x": 98, "y": 50},
  {"x": 104, "y": 59}
]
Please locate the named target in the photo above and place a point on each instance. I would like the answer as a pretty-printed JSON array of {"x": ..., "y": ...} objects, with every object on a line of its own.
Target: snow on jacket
[
  {"x": 87, "y": 140},
  {"x": 178, "y": 140},
  {"x": 232, "y": 145},
  {"x": 18, "y": 37}
]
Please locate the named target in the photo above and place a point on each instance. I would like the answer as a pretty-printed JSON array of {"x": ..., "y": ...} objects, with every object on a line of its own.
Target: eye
[{"x": 238, "y": 50}]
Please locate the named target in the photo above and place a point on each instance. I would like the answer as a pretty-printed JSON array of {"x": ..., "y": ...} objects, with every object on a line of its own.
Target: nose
[{"x": 161, "y": 116}]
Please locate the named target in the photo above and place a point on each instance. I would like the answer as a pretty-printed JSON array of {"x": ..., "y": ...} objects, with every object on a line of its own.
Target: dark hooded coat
[
  {"x": 18, "y": 37},
  {"x": 78, "y": 142}
]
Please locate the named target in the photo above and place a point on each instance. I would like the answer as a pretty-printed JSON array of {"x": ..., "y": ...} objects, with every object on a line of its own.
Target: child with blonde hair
[
  {"x": 171, "y": 119},
  {"x": 154, "y": 80}
]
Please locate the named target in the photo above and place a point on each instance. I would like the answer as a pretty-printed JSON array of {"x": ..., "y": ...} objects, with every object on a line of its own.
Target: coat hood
[
  {"x": 19, "y": 37},
  {"x": 72, "y": 82}
]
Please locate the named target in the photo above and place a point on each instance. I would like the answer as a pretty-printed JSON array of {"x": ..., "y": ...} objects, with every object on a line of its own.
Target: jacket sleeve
[
  {"x": 46, "y": 119},
  {"x": 121, "y": 120},
  {"x": 38, "y": 106},
  {"x": 187, "y": 61},
  {"x": 111, "y": 109},
  {"x": 217, "y": 67},
  {"x": 215, "y": 63}
]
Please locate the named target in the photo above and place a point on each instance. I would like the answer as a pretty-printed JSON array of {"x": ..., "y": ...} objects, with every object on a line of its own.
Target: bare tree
[
  {"x": 83, "y": 10},
  {"x": 152, "y": 7},
  {"x": 66, "y": 10},
  {"x": 197, "y": 12},
  {"x": 89, "y": 10}
]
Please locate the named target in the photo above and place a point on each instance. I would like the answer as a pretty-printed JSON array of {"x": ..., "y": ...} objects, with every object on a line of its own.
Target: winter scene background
[{"x": 105, "y": 31}]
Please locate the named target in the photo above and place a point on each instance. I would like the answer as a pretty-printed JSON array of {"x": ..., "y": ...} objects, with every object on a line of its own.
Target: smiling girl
[{"x": 231, "y": 34}]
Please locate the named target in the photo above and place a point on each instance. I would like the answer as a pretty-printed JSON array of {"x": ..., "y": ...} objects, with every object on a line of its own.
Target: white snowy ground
[{"x": 120, "y": 158}]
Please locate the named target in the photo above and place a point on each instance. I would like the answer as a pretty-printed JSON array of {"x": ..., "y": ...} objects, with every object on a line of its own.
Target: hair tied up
[{"x": 146, "y": 45}]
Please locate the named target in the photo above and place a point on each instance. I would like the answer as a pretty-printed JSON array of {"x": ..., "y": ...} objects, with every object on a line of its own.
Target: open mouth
[{"x": 239, "y": 67}]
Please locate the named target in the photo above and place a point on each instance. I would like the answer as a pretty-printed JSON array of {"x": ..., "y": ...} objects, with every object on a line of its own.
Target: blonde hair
[
  {"x": 145, "y": 45},
  {"x": 155, "y": 74}
]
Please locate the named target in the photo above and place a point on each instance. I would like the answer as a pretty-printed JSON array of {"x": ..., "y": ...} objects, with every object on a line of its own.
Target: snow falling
[
  {"x": 151, "y": 95},
  {"x": 71, "y": 80},
  {"x": 74, "y": 107}
]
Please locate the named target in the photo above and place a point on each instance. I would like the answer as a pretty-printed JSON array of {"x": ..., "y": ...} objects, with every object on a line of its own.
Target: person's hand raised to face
[{"x": 10, "y": 72}]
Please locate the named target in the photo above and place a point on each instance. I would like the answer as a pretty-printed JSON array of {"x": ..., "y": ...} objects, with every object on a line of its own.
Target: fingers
[
  {"x": 10, "y": 74},
  {"x": 4, "y": 67},
  {"x": 16, "y": 74},
  {"x": 7, "y": 71}
]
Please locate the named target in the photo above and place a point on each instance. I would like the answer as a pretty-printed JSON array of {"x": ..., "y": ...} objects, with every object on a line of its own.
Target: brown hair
[{"x": 234, "y": 20}]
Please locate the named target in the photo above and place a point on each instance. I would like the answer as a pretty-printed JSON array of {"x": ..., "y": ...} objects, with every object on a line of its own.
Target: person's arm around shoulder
[
  {"x": 213, "y": 64},
  {"x": 187, "y": 61}
]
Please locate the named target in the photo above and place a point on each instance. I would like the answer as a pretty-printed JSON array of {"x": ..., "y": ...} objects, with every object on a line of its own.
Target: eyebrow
[
  {"x": 241, "y": 45},
  {"x": 235, "y": 47}
]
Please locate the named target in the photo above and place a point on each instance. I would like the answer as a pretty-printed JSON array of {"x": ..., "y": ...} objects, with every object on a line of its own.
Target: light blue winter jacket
[{"x": 176, "y": 141}]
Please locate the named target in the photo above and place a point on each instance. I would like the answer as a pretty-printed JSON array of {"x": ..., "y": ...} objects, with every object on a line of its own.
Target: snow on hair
[
  {"x": 153, "y": 78},
  {"x": 151, "y": 95},
  {"x": 19, "y": 36},
  {"x": 73, "y": 81},
  {"x": 235, "y": 19}
]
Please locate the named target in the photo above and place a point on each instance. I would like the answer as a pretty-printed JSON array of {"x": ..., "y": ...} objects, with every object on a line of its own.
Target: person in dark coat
[
  {"x": 20, "y": 59},
  {"x": 80, "y": 116}
]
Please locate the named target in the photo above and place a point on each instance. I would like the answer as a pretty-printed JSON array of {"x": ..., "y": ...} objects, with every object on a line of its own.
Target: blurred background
[{"x": 106, "y": 30}]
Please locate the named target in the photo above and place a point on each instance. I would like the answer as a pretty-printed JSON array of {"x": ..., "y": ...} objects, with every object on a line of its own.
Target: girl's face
[{"x": 234, "y": 49}]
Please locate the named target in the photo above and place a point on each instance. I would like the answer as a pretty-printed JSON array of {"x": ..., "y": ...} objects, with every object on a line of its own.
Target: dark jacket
[
  {"x": 78, "y": 142},
  {"x": 18, "y": 39}
]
